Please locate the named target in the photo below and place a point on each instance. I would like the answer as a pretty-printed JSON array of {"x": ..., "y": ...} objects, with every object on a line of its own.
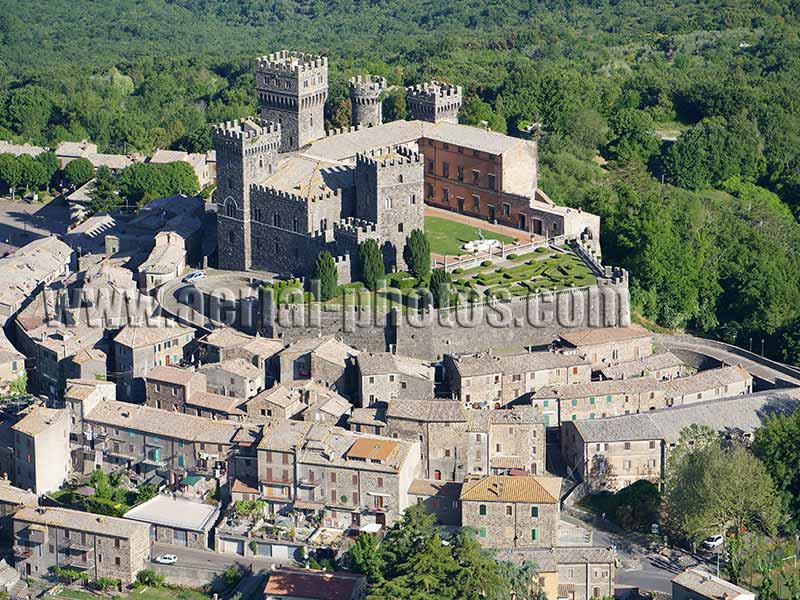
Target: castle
[{"x": 287, "y": 189}]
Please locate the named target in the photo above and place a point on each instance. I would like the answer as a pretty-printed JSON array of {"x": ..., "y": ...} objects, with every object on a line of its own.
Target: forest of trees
[{"x": 676, "y": 122}]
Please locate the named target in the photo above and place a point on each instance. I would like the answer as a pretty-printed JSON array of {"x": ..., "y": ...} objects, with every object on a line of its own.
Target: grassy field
[
  {"x": 447, "y": 237},
  {"x": 145, "y": 593}
]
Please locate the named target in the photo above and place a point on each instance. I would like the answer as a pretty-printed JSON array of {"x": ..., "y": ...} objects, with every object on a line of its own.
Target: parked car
[
  {"x": 713, "y": 541},
  {"x": 166, "y": 559},
  {"x": 195, "y": 276}
]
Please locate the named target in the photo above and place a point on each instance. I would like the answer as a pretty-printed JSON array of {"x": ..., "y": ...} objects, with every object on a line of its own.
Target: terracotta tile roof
[
  {"x": 171, "y": 375},
  {"x": 159, "y": 330},
  {"x": 371, "y": 449},
  {"x": 503, "y": 488},
  {"x": 311, "y": 585}
]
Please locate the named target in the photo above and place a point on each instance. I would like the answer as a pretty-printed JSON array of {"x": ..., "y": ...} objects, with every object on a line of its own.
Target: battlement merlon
[
  {"x": 247, "y": 130},
  {"x": 432, "y": 90},
  {"x": 287, "y": 61},
  {"x": 388, "y": 157},
  {"x": 355, "y": 225},
  {"x": 367, "y": 85},
  {"x": 292, "y": 197}
]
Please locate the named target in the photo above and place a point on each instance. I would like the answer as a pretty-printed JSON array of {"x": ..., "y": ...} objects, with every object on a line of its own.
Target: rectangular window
[
  {"x": 534, "y": 512},
  {"x": 506, "y": 209},
  {"x": 482, "y": 532},
  {"x": 446, "y": 195},
  {"x": 445, "y": 169},
  {"x": 476, "y": 177},
  {"x": 460, "y": 173},
  {"x": 534, "y": 534},
  {"x": 490, "y": 182},
  {"x": 482, "y": 509},
  {"x": 476, "y": 202}
]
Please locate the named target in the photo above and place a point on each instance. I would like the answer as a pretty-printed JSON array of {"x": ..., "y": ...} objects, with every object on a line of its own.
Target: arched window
[{"x": 230, "y": 207}]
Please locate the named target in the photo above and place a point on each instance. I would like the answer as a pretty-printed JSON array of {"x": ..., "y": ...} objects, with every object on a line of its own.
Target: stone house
[
  {"x": 278, "y": 402},
  {"x": 12, "y": 499},
  {"x": 99, "y": 545},
  {"x": 41, "y": 449},
  {"x": 227, "y": 343},
  {"x": 139, "y": 348},
  {"x": 177, "y": 520},
  {"x": 440, "y": 498},
  {"x": 608, "y": 345},
  {"x": 612, "y": 397},
  {"x": 609, "y": 454},
  {"x": 236, "y": 378},
  {"x": 368, "y": 420},
  {"x": 12, "y": 365},
  {"x": 484, "y": 379},
  {"x": 512, "y": 511},
  {"x": 328, "y": 408},
  {"x": 570, "y": 572},
  {"x": 385, "y": 376},
  {"x": 658, "y": 366},
  {"x": 80, "y": 398},
  {"x": 348, "y": 479},
  {"x": 145, "y": 439},
  {"x": 325, "y": 360},
  {"x": 699, "y": 584},
  {"x": 185, "y": 390},
  {"x": 170, "y": 388},
  {"x": 456, "y": 442}
]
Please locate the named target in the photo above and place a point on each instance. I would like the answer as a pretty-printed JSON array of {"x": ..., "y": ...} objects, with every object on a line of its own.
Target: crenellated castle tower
[
  {"x": 247, "y": 151},
  {"x": 434, "y": 101},
  {"x": 389, "y": 192},
  {"x": 292, "y": 88},
  {"x": 365, "y": 97}
]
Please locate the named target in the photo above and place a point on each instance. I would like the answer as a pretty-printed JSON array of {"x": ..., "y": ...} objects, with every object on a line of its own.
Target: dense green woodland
[{"x": 707, "y": 225}]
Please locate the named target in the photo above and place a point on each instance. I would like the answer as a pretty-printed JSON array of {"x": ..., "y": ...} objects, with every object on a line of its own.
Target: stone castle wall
[{"x": 534, "y": 321}]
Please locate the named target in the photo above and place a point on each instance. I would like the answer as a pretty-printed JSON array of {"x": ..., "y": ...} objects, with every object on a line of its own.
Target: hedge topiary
[{"x": 486, "y": 263}]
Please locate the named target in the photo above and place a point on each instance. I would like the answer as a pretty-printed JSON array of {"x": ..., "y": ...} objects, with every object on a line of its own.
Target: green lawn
[
  {"x": 145, "y": 593},
  {"x": 447, "y": 237},
  {"x": 530, "y": 273}
]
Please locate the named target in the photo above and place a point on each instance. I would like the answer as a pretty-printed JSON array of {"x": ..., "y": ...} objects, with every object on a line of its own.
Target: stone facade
[
  {"x": 102, "y": 546},
  {"x": 485, "y": 379},
  {"x": 365, "y": 97},
  {"x": 245, "y": 150},
  {"x": 292, "y": 88},
  {"x": 41, "y": 449},
  {"x": 608, "y": 398},
  {"x": 455, "y": 443},
  {"x": 325, "y": 469},
  {"x": 434, "y": 101},
  {"x": 384, "y": 377},
  {"x": 512, "y": 512},
  {"x": 609, "y": 454}
]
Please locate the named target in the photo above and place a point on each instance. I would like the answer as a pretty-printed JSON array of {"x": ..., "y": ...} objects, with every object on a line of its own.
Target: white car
[
  {"x": 192, "y": 277},
  {"x": 166, "y": 559},
  {"x": 713, "y": 541}
]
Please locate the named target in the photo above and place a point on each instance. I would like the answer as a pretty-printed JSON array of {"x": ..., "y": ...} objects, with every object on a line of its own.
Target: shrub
[
  {"x": 458, "y": 271},
  {"x": 149, "y": 577},
  {"x": 541, "y": 250},
  {"x": 486, "y": 263},
  {"x": 512, "y": 256}
]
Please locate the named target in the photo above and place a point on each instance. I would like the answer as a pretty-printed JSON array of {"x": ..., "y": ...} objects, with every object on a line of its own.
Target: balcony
[
  {"x": 76, "y": 546},
  {"x": 33, "y": 534},
  {"x": 277, "y": 480},
  {"x": 309, "y": 482},
  {"x": 22, "y": 552}
]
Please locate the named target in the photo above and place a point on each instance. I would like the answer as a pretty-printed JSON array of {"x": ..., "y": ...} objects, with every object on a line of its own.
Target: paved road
[
  {"x": 758, "y": 366},
  {"x": 197, "y": 567}
]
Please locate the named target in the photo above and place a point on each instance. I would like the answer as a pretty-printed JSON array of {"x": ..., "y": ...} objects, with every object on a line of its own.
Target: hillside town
[{"x": 254, "y": 383}]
